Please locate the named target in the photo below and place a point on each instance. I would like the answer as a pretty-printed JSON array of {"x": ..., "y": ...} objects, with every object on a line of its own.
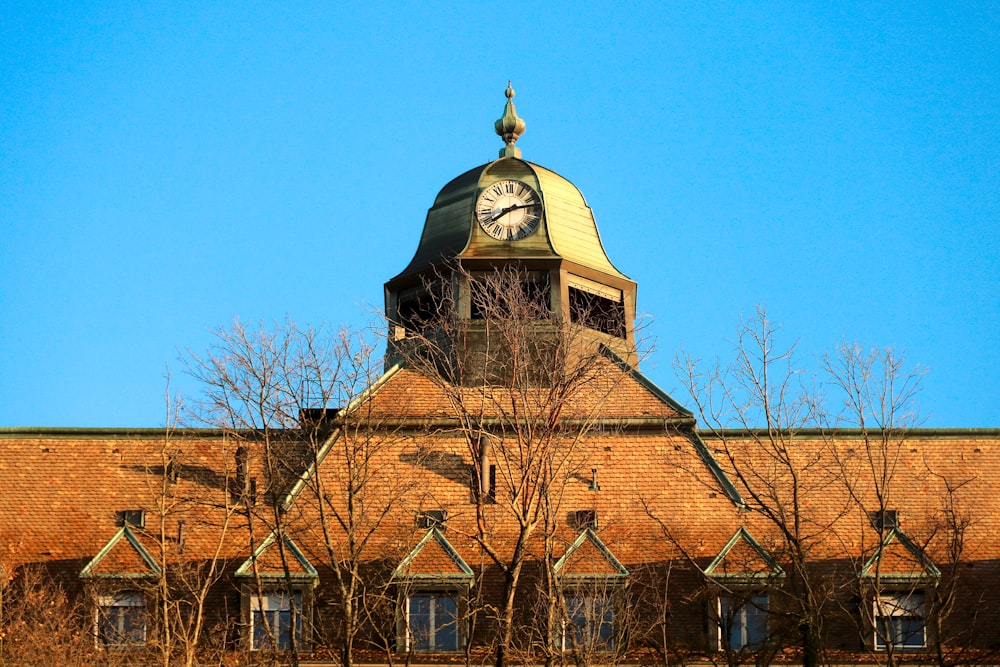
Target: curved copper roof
[{"x": 568, "y": 230}]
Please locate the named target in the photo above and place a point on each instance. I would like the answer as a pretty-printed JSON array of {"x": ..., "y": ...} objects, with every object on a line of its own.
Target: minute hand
[{"x": 514, "y": 208}]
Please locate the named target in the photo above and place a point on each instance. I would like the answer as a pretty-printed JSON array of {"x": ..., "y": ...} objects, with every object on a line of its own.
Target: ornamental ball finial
[{"x": 509, "y": 126}]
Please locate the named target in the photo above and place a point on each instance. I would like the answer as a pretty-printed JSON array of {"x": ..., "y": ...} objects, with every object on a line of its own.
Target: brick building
[{"x": 511, "y": 485}]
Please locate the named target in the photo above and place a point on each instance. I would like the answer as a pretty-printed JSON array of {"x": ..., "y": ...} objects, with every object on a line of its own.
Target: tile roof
[
  {"x": 123, "y": 556},
  {"x": 433, "y": 558},
  {"x": 589, "y": 558}
]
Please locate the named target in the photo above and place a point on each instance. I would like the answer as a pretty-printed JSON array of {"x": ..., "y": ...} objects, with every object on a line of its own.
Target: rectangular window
[
  {"x": 500, "y": 296},
  {"x": 432, "y": 519},
  {"x": 597, "y": 307},
  {"x": 899, "y": 620},
  {"x": 581, "y": 519},
  {"x": 133, "y": 518},
  {"x": 121, "y": 620},
  {"x": 432, "y": 621},
  {"x": 271, "y": 620},
  {"x": 742, "y": 622},
  {"x": 590, "y": 623},
  {"x": 884, "y": 520}
]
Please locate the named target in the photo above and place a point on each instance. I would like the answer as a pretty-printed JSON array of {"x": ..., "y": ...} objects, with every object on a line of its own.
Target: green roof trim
[
  {"x": 703, "y": 451},
  {"x": 742, "y": 534},
  {"x": 88, "y": 571},
  {"x": 720, "y": 475},
  {"x": 585, "y": 535},
  {"x": 433, "y": 534},
  {"x": 246, "y": 569},
  {"x": 931, "y": 571},
  {"x": 646, "y": 383},
  {"x": 324, "y": 450}
]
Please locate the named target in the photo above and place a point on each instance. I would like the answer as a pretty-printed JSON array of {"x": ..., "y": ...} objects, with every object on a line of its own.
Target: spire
[{"x": 510, "y": 127}]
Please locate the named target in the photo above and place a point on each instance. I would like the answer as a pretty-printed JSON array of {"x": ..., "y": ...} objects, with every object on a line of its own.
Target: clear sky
[{"x": 167, "y": 167}]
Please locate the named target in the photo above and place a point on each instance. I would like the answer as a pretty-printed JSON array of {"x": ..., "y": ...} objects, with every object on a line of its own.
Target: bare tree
[
  {"x": 877, "y": 392},
  {"x": 753, "y": 409},
  {"x": 188, "y": 505},
  {"x": 43, "y": 624},
  {"x": 314, "y": 468},
  {"x": 524, "y": 388},
  {"x": 828, "y": 477},
  {"x": 354, "y": 502}
]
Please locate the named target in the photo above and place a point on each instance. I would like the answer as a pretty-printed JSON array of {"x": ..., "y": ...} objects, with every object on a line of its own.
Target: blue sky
[{"x": 167, "y": 167}]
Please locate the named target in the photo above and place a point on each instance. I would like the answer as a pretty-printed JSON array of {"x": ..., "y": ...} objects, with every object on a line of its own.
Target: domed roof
[{"x": 568, "y": 229}]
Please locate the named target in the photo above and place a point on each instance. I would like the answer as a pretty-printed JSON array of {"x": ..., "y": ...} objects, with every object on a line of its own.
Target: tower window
[
  {"x": 418, "y": 312},
  {"x": 519, "y": 295},
  {"x": 597, "y": 312}
]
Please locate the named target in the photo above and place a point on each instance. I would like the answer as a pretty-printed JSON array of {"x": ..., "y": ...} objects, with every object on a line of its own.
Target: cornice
[{"x": 817, "y": 433}]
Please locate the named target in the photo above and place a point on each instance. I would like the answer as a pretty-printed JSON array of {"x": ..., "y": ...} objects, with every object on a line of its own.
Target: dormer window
[
  {"x": 271, "y": 620},
  {"x": 121, "y": 620},
  {"x": 900, "y": 620},
  {"x": 743, "y": 621}
]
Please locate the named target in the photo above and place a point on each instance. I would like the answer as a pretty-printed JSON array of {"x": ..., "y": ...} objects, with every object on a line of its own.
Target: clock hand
[
  {"x": 514, "y": 208},
  {"x": 496, "y": 215}
]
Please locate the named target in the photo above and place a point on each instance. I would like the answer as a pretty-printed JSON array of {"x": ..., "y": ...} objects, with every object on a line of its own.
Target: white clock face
[{"x": 509, "y": 210}]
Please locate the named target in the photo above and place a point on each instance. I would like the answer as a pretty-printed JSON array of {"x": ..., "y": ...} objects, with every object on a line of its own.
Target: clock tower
[{"x": 516, "y": 216}]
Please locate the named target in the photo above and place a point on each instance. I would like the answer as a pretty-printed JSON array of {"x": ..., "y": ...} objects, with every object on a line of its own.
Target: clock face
[{"x": 509, "y": 210}]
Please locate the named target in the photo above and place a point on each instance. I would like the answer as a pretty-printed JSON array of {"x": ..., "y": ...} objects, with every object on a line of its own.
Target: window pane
[
  {"x": 899, "y": 620},
  {"x": 261, "y": 638},
  {"x": 271, "y": 620},
  {"x": 121, "y": 620},
  {"x": 446, "y": 624},
  {"x": 744, "y": 621},
  {"x": 590, "y": 623},
  {"x": 420, "y": 622},
  {"x": 432, "y": 620}
]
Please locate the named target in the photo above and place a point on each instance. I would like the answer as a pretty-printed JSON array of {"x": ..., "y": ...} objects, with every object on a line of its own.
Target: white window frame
[
  {"x": 269, "y": 606},
  {"x": 590, "y": 603},
  {"x": 124, "y": 601},
  {"x": 899, "y": 606},
  {"x": 744, "y": 613},
  {"x": 456, "y": 595}
]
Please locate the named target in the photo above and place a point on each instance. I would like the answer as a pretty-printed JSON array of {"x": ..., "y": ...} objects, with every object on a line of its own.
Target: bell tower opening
[{"x": 510, "y": 240}]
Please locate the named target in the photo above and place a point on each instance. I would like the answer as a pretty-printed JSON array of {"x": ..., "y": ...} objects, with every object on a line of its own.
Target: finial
[{"x": 510, "y": 127}]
